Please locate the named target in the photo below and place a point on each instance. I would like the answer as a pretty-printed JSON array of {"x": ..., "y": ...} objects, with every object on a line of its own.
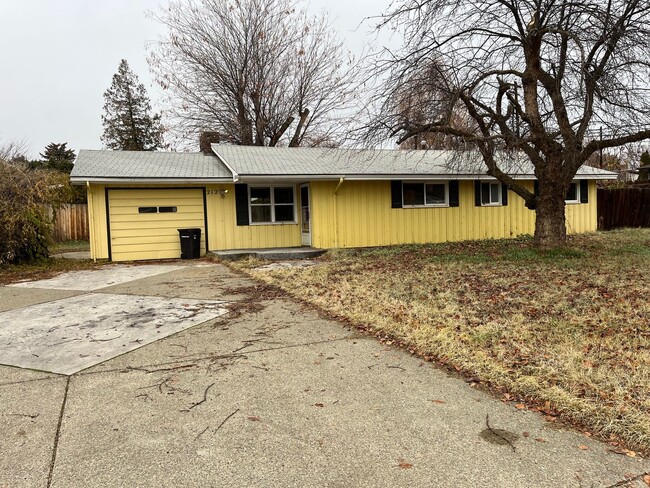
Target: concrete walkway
[{"x": 270, "y": 394}]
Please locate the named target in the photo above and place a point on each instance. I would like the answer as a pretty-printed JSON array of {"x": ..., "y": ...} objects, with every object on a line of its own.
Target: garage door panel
[
  {"x": 139, "y": 236},
  {"x": 131, "y": 209},
  {"x": 146, "y": 239},
  {"x": 142, "y": 247},
  {"x": 133, "y": 221}
]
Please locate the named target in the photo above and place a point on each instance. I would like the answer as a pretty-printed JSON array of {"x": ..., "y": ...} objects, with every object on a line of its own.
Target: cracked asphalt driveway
[{"x": 268, "y": 394}]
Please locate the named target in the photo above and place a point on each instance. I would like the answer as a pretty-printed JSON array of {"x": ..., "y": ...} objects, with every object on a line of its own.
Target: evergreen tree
[
  {"x": 56, "y": 157},
  {"x": 127, "y": 120},
  {"x": 644, "y": 174}
]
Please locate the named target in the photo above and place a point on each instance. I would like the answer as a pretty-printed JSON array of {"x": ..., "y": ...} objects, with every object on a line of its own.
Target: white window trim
[
  {"x": 577, "y": 200},
  {"x": 272, "y": 222},
  {"x": 428, "y": 205},
  {"x": 496, "y": 204}
]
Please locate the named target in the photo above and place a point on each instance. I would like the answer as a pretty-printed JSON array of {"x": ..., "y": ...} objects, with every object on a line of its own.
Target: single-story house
[{"x": 264, "y": 197}]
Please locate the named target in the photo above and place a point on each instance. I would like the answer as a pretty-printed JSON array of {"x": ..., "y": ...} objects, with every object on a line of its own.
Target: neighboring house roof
[
  {"x": 147, "y": 166},
  {"x": 252, "y": 163}
]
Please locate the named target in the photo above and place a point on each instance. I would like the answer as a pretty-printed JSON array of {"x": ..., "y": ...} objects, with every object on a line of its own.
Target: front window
[
  {"x": 425, "y": 194},
  {"x": 490, "y": 193},
  {"x": 573, "y": 195},
  {"x": 271, "y": 204}
]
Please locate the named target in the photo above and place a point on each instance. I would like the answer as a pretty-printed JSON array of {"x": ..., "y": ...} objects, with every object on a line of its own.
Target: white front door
[{"x": 305, "y": 222}]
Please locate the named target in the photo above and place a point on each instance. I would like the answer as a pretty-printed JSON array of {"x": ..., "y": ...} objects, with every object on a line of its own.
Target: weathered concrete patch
[
  {"x": 11, "y": 298},
  {"x": 29, "y": 413},
  {"x": 99, "y": 278},
  {"x": 68, "y": 335}
]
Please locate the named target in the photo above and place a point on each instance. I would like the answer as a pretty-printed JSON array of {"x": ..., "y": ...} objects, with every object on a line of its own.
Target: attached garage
[{"x": 143, "y": 223}]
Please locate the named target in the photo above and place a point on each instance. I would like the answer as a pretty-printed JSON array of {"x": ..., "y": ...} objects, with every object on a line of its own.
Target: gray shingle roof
[
  {"x": 278, "y": 163},
  {"x": 253, "y": 161},
  {"x": 143, "y": 165}
]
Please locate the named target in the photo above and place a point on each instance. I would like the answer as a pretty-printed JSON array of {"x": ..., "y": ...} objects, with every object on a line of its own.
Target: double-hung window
[
  {"x": 425, "y": 194},
  {"x": 271, "y": 204},
  {"x": 490, "y": 193},
  {"x": 573, "y": 195}
]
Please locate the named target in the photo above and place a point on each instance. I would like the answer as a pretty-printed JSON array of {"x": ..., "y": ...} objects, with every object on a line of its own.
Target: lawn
[{"x": 565, "y": 332}]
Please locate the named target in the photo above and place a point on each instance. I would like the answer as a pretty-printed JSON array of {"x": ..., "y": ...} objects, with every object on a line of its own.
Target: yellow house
[{"x": 259, "y": 197}]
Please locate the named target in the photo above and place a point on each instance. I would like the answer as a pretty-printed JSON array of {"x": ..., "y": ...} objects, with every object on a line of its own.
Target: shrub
[{"x": 26, "y": 221}]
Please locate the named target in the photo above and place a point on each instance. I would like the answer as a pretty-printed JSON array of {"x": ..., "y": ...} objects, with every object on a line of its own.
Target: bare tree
[
  {"x": 14, "y": 151},
  {"x": 260, "y": 72},
  {"x": 538, "y": 78}
]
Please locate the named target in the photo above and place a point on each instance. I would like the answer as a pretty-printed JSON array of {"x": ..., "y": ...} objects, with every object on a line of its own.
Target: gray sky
[{"x": 58, "y": 58}]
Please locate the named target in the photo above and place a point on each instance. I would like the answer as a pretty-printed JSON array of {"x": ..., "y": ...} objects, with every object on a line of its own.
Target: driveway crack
[{"x": 58, "y": 432}]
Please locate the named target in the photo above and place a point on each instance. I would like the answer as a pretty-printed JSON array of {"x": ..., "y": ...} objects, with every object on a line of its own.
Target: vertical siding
[
  {"x": 224, "y": 233},
  {"x": 361, "y": 215},
  {"x": 583, "y": 217},
  {"x": 97, "y": 222}
]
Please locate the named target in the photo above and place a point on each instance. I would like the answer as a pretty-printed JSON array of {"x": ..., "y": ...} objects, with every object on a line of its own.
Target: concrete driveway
[{"x": 245, "y": 388}]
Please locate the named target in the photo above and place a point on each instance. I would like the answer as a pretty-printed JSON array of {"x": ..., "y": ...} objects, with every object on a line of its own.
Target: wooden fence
[
  {"x": 71, "y": 223},
  {"x": 623, "y": 207}
]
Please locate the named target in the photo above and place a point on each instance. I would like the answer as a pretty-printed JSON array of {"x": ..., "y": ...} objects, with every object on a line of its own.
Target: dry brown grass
[
  {"x": 43, "y": 269},
  {"x": 567, "y": 330}
]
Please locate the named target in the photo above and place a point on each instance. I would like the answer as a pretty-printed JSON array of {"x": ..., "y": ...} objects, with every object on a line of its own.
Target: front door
[{"x": 305, "y": 223}]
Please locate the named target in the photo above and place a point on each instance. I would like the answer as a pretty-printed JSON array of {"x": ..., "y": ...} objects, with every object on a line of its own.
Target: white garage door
[{"x": 144, "y": 223}]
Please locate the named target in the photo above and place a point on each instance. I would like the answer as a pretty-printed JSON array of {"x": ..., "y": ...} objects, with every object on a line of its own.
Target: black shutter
[
  {"x": 453, "y": 193},
  {"x": 241, "y": 204},
  {"x": 477, "y": 193},
  {"x": 396, "y": 194},
  {"x": 584, "y": 191},
  {"x": 504, "y": 194},
  {"x": 536, "y": 187}
]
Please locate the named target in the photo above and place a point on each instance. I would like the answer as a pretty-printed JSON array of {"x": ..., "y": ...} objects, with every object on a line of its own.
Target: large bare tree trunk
[{"x": 550, "y": 223}]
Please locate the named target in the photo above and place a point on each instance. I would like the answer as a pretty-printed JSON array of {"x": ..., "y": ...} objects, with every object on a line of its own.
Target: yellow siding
[
  {"x": 97, "y": 222},
  {"x": 224, "y": 233},
  {"x": 361, "y": 215}
]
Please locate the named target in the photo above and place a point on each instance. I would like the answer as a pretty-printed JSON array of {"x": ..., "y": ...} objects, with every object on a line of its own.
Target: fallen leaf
[
  {"x": 646, "y": 479},
  {"x": 404, "y": 464},
  {"x": 617, "y": 451},
  {"x": 539, "y": 439},
  {"x": 630, "y": 453},
  {"x": 253, "y": 418},
  {"x": 583, "y": 447},
  {"x": 438, "y": 402},
  {"x": 318, "y": 405},
  {"x": 525, "y": 434},
  {"x": 520, "y": 406}
]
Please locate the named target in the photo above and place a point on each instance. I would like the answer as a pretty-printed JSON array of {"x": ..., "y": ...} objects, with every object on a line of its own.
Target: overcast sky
[{"x": 58, "y": 57}]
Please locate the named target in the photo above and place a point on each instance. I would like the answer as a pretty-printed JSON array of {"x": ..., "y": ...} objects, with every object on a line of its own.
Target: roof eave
[
  {"x": 375, "y": 177},
  {"x": 81, "y": 180}
]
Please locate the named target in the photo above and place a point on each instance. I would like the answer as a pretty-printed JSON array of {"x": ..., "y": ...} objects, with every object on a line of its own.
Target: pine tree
[
  {"x": 56, "y": 157},
  {"x": 644, "y": 174},
  {"x": 127, "y": 120}
]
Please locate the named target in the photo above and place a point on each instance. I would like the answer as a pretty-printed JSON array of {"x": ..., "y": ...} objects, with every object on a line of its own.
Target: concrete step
[{"x": 276, "y": 254}]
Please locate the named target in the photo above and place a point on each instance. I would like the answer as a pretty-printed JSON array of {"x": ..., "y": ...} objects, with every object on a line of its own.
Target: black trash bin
[{"x": 190, "y": 243}]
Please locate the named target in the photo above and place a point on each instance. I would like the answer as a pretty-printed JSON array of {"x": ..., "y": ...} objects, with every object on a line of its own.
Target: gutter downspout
[{"x": 336, "y": 190}]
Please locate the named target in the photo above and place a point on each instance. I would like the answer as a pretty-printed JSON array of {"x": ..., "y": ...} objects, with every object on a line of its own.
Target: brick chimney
[{"x": 205, "y": 139}]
